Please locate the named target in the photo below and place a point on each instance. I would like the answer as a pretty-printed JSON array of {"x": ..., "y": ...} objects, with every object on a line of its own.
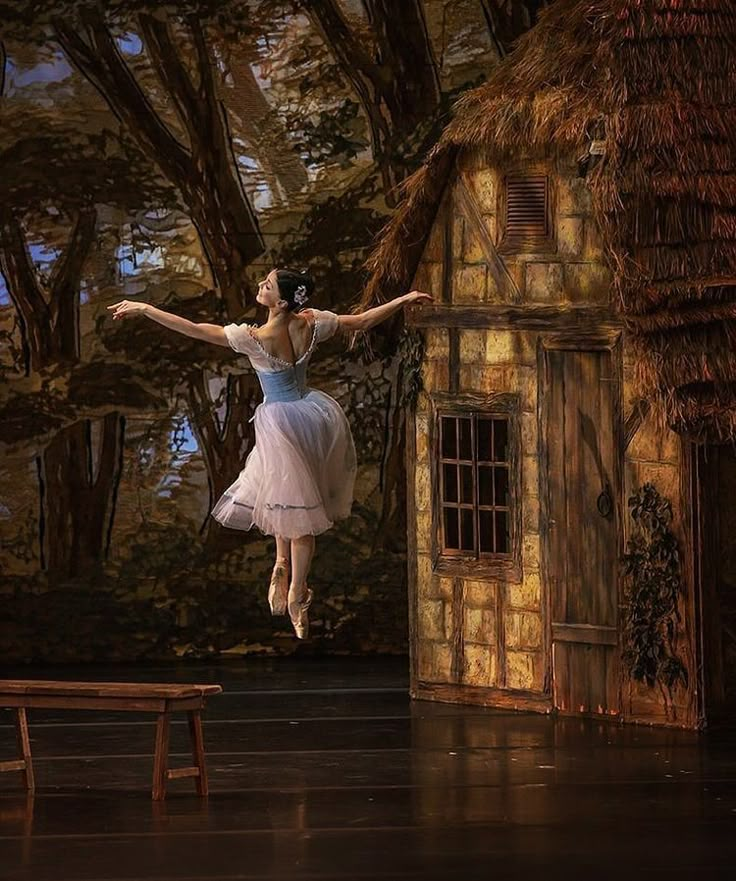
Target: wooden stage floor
[{"x": 324, "y": 769}]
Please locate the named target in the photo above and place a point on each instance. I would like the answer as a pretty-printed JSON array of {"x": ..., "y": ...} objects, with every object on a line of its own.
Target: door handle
[{"x": 604, "y": 502}]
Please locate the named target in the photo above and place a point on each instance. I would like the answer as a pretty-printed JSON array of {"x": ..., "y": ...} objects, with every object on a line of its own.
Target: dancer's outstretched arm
[
  {"x": 210, "y": 333},
  {"x": 371, "y": 317}
]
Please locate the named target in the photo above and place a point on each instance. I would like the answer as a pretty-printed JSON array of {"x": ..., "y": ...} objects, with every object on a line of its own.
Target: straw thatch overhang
[{"x": 656, "y": 80}]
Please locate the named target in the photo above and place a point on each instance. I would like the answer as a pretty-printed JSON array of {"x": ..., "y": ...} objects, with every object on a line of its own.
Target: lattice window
[
  {"x": 527, "y": 212},
  {"x": 475, "y": 485}
]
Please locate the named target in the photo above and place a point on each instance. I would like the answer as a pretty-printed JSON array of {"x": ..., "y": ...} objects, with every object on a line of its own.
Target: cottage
[{"x": 572, "y": 491}]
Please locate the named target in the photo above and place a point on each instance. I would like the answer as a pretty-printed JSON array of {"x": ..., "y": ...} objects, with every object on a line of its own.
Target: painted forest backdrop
[{"x": 174, "y": 153}]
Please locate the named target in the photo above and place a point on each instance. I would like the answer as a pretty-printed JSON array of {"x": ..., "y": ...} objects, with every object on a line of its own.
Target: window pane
[
  {"x": 485, "y": 535},
  {"x": 500, "y": 440},
  {"x": 466, "y": 484},
  {"x": 466, "y": 531},
  {"x": 449, "y": 483},
  {"x": 452, "y": 538},
  {"x": 501, "y": 486},
  {"x": 485, "y": 485},
  {"x": 502, "y": 535},
  {"x": 484, "y": 439},
  {"x": 466, "y": 445},
  {"x": 449, "y": 437}
]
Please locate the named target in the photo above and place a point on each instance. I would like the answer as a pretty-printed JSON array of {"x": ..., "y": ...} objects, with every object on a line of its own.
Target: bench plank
[{"x": 167, "y": 691}]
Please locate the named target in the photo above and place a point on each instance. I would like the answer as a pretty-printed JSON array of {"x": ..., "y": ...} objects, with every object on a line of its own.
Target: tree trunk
[
  {"x": 78, "y": 493},
  {"x": 398, "y": 89},
  {"x": 50, "y": 330}
]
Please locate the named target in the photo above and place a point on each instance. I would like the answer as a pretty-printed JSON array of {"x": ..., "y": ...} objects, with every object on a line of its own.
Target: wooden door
[{"x": 581, "y": 427}]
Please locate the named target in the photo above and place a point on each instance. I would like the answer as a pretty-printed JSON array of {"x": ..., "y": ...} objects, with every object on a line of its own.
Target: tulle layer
[{"x": 299, "y": 477}]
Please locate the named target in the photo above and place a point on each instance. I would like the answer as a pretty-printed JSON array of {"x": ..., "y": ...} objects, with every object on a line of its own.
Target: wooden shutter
[{"x": 527, "y": 209}]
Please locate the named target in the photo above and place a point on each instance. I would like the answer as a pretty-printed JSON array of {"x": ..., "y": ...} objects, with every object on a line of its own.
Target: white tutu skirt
[{"x": 299, "y": 477}]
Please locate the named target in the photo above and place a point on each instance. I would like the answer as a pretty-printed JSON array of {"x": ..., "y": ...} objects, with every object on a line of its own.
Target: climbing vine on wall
[{"x": 653, "y": 585}]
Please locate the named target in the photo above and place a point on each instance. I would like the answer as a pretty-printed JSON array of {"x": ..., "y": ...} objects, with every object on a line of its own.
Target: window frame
[
  {"x": 542, "y": 245},
  {"x": 473, "y": 564}
]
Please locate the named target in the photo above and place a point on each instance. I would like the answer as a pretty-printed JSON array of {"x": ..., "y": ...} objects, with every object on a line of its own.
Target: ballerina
[{"x": 298, "y": 478}]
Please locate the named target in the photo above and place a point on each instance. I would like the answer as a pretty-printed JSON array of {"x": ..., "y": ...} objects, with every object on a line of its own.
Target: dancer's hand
[
  {"x": 417, "y": 297},
  {"x": 126, "y": 308}
]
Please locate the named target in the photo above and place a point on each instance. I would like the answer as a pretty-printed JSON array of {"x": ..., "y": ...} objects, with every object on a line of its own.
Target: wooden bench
[{"x": 141, "y": 697}]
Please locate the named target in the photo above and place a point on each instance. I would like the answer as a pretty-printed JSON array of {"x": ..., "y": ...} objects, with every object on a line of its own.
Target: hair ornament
[{"x": 300, "y": 295}]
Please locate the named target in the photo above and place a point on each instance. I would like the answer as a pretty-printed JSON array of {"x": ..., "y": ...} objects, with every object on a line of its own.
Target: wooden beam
[
  {"x": 496, "y": 266},
  {"x": 581, "y": 319}
]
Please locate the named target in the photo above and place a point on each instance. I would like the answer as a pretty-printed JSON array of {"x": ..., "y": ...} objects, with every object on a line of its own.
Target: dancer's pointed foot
[
  {"x": 298, "y": 611},
  {"x": 279, "y": 587}
]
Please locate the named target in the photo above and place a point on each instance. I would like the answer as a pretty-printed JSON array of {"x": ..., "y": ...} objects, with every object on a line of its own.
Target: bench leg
[
  {"x": 24, "y": 749},
  {"x": 195, "y": 734},
  {"x": 161, "y": 757}
]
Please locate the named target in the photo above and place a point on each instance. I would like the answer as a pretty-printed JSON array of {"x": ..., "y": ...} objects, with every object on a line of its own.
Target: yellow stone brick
[
  {"x": 544, "y": 282},
  {"x": 467, "y": 378},
  {"x": 422, "y": 488},
  {"x": 587, "y": 283},
  {"x": 523, "y": 630},
  {"x": 527, "y": 385},
  {"x": 480, "y": 594},
  {"x": 421, "y": 428},
  {"x": 501, "y": 347},
  {"x": 424, "y": 531},
  {"x": 573, "y": 195},
  {"x": 424, "y": 568},
  {"x": 652, "y": 445},
  {"x": 424, "y": 660},
  {"x": 593, "y": 241},
  {"x": 473, "y": 251},
  {"x": 530, "y": 551},
  {"x": 448, "y": 620},
  {"x": 529, "y": 433},
  {"x": 423, "y": 402},
  {"x": 469, "y": 284},
  {"x": 526, "y": 594},
  {"x": 570, "y": 237},
  {"x": 479, "y": 626},
  {"x": 530, "y": 512},
  {"x": 525, "y": 348},
  {"x": 431, "y": 619},
  {"x": 446, "y": 587},
  {"x": 479, "y": 666},
  {"x": 433, "y": 250},
  {"x": 441, "y": 662},
  {"x": 530, "y": 475},
  {"x": 436, "y": 343},
  {"x": 516, "y": 268},
  {"x": 472, "y": 346},
  {"x": 520, "y": 670},
  {"x": 484, "y": 186},
  {"x": 436, "y": 375}
]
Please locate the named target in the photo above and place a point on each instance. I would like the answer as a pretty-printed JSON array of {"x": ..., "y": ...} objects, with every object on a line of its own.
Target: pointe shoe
[
  {"x": 298, "y": 614},
  {"x": 278, "y": 589}
]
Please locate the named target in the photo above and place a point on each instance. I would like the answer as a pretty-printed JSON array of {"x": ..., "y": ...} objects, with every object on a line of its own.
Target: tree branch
[
  {"x": 65, "y": 283},
  {"x": 103, "y": 66},
  {"x": 170, "y": 69}
]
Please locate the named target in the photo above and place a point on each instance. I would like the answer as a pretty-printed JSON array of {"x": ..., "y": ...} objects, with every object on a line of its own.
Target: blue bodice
[{"x": 289, "y": 384}]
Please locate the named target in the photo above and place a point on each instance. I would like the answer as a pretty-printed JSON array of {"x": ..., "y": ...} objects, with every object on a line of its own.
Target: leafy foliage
[{"x": 653, "y": 587}]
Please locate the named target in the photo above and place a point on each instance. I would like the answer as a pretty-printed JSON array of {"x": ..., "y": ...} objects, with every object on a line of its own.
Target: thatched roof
[{"x": 657, "y": 80}]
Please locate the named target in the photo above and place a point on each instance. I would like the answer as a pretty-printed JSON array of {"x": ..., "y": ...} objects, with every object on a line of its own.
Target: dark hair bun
[{"x": 295, "y": 286}]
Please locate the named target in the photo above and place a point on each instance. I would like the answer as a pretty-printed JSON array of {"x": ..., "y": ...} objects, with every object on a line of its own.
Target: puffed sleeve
[
  {"x": 239, "y": 337},
  {"x": 327, "y": 324}
]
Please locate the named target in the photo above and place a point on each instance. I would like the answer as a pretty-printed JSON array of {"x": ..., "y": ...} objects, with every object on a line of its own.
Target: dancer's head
[{"x": 290, "y": 289}]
